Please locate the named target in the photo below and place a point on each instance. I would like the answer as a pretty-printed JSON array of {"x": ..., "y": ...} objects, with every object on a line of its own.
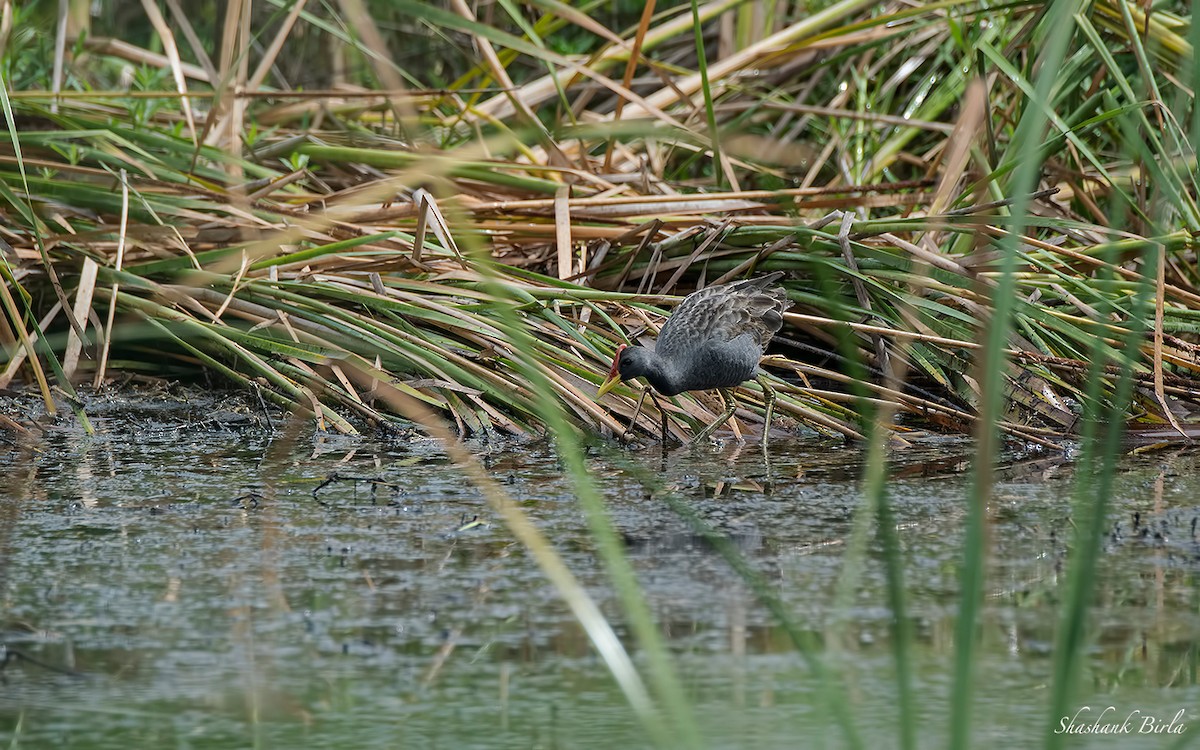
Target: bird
[{"x": 714, "y": 339}]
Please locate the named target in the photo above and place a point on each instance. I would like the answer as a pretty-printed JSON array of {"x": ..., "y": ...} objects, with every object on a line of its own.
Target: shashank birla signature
[{"x": 1109, "y": 721}]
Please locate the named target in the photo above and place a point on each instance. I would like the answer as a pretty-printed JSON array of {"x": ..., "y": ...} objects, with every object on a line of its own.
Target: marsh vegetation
[{"x": 442, "y": 219}]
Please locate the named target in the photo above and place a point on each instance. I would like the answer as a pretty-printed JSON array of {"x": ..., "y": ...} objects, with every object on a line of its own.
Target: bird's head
[
  {"x": 629, "y": 363},
  {"x": 620, "y": 370}
]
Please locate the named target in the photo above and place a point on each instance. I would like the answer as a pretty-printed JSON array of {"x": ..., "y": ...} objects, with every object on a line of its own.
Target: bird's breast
[{"x": 721, "y": 364}]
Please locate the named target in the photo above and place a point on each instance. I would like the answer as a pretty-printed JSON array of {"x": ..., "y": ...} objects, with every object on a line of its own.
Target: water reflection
[{"x": 211, "y": 587}]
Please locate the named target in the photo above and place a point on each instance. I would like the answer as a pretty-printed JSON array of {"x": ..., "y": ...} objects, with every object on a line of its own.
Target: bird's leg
[
  {"x": 637, "y": 412},
  {"x": 730, "y": 406},
  {"x": 769, "y": 401},
  {"x": 662, "y": 416}
]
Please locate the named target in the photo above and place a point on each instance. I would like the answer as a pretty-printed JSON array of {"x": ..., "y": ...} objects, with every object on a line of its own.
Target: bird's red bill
[
  {"x": 616, "y": 367},
  {"x": 614, "y": 375}
]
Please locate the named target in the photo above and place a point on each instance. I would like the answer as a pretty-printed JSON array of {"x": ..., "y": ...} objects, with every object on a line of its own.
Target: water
[{"x": 175, "y": 582}]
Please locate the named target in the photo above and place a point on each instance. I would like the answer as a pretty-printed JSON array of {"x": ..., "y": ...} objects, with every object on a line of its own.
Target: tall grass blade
[{"x": 991, "y": 364}]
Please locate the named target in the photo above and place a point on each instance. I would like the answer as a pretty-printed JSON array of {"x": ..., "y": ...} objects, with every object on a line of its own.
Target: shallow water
[{"x": 185, "y": 580}]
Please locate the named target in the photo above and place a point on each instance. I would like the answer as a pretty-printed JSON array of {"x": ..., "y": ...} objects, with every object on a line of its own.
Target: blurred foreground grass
[{"x": 986, "y": 214}]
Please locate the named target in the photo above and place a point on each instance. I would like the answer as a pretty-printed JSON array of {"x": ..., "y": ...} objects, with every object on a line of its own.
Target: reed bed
[
  {"x": 275, "y": 237},
  {"x": 986, "y": 216}
]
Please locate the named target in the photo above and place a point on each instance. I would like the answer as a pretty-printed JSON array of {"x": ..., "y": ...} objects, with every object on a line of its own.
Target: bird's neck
[{"x": 665, "y": 378}]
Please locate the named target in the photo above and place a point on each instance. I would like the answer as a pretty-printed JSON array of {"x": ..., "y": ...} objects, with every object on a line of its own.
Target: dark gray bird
[{"x": 714, "y": 339}]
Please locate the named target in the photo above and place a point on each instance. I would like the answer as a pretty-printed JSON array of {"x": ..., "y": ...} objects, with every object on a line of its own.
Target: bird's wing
[{"x": 722, "y": 313}]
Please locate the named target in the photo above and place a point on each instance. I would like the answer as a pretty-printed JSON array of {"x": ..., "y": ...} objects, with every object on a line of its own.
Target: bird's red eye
[{"x": 616, "y": 367}]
